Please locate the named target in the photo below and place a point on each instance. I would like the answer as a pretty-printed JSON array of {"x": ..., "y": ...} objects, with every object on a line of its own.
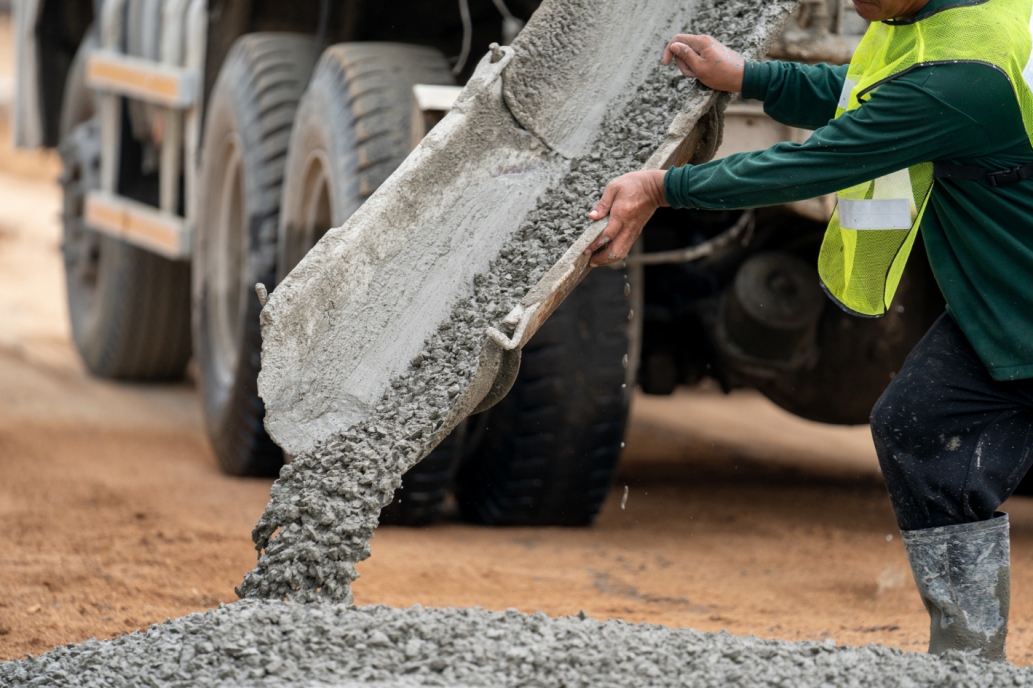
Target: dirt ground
[{"x": 739, "y": 516}]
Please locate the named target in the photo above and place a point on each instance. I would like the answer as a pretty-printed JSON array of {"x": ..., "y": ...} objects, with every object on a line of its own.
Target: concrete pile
[{"x": 264, "y": 643}]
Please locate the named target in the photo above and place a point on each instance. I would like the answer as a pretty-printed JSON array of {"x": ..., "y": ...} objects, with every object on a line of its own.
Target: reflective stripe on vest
[
  {"x": 885, "y": 213},
  {"x": 875, "y": 224}
]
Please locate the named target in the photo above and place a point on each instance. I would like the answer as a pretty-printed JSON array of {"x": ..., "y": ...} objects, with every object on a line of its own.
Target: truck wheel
[
  {"x": 547, "y": 452},
  {"x": 352, "y": 131},
  {"x": 129, "y": 309},
  {"x": 252, "y": 107}
]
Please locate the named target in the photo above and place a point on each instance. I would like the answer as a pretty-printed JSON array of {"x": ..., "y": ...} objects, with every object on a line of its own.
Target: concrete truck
[{"x": 207, "y": 145}]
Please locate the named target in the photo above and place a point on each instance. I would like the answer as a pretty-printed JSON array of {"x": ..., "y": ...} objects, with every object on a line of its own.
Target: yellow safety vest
[{"x": 874, "y": 226}]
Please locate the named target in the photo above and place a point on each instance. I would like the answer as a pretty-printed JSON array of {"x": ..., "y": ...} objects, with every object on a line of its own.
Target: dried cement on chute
[
  {"x": 266, "y": 643},
  {"x": 348, "y": 455}
]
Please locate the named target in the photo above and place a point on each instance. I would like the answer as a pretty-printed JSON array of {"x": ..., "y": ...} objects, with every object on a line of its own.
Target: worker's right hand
[
  {"x": 630, "y": 200},
  {"x": 704, "y": 58}
]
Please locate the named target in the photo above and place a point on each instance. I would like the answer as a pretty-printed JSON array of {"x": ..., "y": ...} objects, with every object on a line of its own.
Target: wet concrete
[{"x": 262, "y": 643}]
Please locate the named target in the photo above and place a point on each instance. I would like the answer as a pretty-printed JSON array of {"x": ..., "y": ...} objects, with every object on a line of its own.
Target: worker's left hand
[
  {"x": 707, "y": 59},
  {"x": 630, "y": 200}
]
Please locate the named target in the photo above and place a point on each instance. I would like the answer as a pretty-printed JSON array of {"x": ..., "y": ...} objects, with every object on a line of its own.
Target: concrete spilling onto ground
[
  {"x": 279, "y": 643},
  {"x": 325, "y": 505}
]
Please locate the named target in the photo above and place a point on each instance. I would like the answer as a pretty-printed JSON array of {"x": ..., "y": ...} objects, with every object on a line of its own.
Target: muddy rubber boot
[{"x": 962, "y": 574}]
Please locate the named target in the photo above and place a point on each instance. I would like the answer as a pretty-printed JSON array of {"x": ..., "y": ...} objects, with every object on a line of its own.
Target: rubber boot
[{"x": 962, "y": 574}]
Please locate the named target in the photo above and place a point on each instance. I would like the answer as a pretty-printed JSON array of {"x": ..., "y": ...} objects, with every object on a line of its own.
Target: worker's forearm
[
  {"x": 889, "y": 133},
  {"x": 796, "y": 94},
  {"x": 781, "y": 174}
]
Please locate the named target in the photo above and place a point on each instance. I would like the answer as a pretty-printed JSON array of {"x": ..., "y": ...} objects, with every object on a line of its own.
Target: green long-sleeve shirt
[{"x": 979, "y": 239}]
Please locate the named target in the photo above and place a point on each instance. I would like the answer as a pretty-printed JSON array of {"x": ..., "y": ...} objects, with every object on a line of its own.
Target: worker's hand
[
  {"x": 706, "y": 59},
  {"x": 630, "y": 200}
]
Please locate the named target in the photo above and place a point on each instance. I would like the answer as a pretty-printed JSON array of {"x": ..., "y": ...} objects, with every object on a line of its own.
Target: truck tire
[
  {"x": 247, "y": 129},
  {"x": 129, "y": 308},
  {"x": 546, "y": 453},
  {"x": 353, "y": 129}
]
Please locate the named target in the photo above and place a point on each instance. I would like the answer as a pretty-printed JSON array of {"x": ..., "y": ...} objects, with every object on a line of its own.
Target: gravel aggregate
[{"x": 266, "y": 643}]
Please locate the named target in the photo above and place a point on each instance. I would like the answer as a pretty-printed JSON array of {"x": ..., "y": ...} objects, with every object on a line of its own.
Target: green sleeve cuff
[
  {"x": 676, "y": 186},
  {"x": 755, "y": 79}
]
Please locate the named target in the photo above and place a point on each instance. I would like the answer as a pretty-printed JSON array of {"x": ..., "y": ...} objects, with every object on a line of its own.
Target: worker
[{"x": 929, "y": 125}]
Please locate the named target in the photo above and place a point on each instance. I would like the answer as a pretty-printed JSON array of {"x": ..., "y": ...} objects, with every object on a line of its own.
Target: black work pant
[{"x": 953, "y": 442}]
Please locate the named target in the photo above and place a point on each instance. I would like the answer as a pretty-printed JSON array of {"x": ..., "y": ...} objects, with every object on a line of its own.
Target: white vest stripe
[
  {"x": 886, "y": 213},
  {"x": 844, "y": 95}
]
